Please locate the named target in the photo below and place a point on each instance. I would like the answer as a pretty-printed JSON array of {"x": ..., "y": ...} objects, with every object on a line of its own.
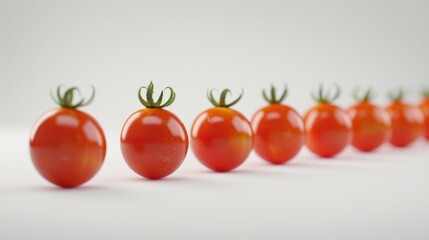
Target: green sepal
[
  {"x": 396, "y": 96},
  {"x": 66, "y": 99},
  {"x": 222, "y": 99},
  {"x": 150, "y": 103},
  {"x": 325, "y": 96},
  {"x": 273, "y": 98},
  {"x": 425, "y": 93},
  {"x": 366, "y": 97}
]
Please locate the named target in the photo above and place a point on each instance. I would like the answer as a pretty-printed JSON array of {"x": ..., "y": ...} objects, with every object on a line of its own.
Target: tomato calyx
[
  {"x": 325, "y": 96},
  {"x": 222, "y": 98},
  {"x": 273, "y": 97},
  {"x": 396, "y": 96},
  {"x": 366, "y": 97},
  {"x": 66, "y": 99},
  {"x": 425, "y": 93},
  {"x": 150, "y": 103}
]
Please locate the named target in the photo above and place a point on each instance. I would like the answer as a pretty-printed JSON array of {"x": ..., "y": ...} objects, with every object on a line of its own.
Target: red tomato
[
  {"x": 371, "y": 124},
  {"x": 221, "y": 138},
  {"x": 424, "y": 107},
  {"x": 407, "y": 121},
  {"x": 327, "y": 127},
  {"x": 278, "y": 130},
  {"x": 67, "y": 146},
  {"x": 154, "y": 141}
]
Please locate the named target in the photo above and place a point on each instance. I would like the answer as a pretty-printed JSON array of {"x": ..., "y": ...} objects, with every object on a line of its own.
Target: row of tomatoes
[{"x": 68, "y": 146}]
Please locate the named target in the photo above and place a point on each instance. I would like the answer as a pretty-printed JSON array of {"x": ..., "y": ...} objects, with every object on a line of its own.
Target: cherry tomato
[
  {"x": 424, "y": 107},
  {"x": 67, "y": 146},
  {"x": 221, "y": 138},
  {"x": 407, "y": 121},
  {"x": 371, "y": 124},
  {"x": 154, "y": 141},
  {"x": 278, "y": 130},
  {"x": 327, "y": 127}
]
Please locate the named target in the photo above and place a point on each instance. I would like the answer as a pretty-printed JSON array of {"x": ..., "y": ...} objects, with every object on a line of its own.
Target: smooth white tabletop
[{"x": 381, "y": 195}]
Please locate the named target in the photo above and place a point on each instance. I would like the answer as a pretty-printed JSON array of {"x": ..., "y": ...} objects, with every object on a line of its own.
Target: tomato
[
  {"x": 424, "y": 107},
  {"x": 328, "y": 128},
  {"x": 407, "y": 121},
  {"x": 278, "y": 130},
  {"x": 221, "y": 138},
  {"x": 67, "y": 146},
  {"x": 371, "y": 124},
  {"x": 154, "y": 141}
]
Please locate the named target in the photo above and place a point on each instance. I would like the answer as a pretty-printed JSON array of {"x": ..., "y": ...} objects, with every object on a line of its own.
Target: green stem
[
  {"x": 150, "y": 103},
  {"x": 66, "y": 99},
  {"x": 222, "y": 99},
  {"x": 325, "y": 96},
  {"x": 366, "y": 97},
  {"x": 273, "y": 98}
]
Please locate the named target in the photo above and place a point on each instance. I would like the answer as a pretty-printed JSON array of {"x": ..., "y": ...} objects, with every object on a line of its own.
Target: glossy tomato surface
[
  {"x": 67, "y": 147},
  {"x": 407, "y": 123},
  {"x": 154, "y": 142},
  {"x": 278, "y": 133},
  {"x": 328, "y": 129},
  {"x": 221, "y": 138},
  {"x": 424, "y": 107},
  {"x": 371, "y": 126}
]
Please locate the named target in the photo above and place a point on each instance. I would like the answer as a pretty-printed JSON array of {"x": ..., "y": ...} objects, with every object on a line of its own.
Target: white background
[{"x": 119, "y": 46}]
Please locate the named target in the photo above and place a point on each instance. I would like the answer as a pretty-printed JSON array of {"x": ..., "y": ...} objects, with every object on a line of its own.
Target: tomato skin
[
  {"x": 407, "y": 123},
  {"x": 371, "y": 126},
  {"x": 154, "y": 142},
  {"x": 278, "y": 133},
  {"x": 67, "y": 147},
  {"x": 424, "y": 107},
  {"x": 221, "y": 138},
  {"x": 328, "y": 129}
]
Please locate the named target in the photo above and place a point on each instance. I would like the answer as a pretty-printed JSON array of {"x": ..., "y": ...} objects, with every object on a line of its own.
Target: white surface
[
  {"x": 383, "y": 195},
  {"x": 119, "y": 46}
]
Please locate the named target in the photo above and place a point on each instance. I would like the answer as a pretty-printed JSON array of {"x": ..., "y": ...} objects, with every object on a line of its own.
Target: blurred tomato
[
  {"x": 424, "y": 107},
  {"x": 278, "y": 130},
  {"x": 407, "y": 121},
  {"x": 221, "y": 138},
  {"x": 67, "y": 146},
  {"x": 371, "y": 124},
  {"x": 328, "y": 128}
]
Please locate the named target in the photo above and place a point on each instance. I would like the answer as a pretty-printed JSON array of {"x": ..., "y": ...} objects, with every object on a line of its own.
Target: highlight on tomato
[
  {"x": 278, "y": 129},
  {"x": 328, "y": 128},
  {"x": 221, "y": 138},
  {"x": 424, "y": 107},
  {"x": 154, "y": 141},
  {"x": 371, "y": 124},
  {"x": 67, "y": 146},
  {"x": 407, "y": 120}
]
